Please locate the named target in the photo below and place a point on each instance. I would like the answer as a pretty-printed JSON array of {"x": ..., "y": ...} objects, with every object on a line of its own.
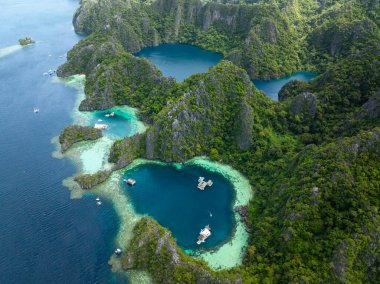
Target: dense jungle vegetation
[{"x": 313, "y": 158}]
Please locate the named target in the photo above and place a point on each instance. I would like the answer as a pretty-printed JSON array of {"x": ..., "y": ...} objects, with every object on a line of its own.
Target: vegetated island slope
[
  {"x": 76, "y": 133},
  {"x": 313, "y": 157},
  {"x": 267, "y": 38}
]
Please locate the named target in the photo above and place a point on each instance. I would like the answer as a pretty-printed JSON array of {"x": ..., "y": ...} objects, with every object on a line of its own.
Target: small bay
[{"x": 272, "y": 87}]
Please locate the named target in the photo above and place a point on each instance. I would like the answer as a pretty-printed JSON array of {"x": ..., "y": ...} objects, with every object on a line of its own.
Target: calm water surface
[
  {"x": 180, "y": 60},
  {"x": 272, "y": 87},
  {"x": 172, "y": 198},
  {"x": 45, "y": 237},
  {"x": 119, "y": 125}
]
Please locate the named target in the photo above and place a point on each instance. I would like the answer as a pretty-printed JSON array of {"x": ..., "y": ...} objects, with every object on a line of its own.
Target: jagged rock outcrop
[
  {"x": 76, "y": 133},
  {"x": 218, "y": 110},
  {"x": 292, "y": 89},
  {"x": 305, "y": 103},
  {"x": 339, "y": 178},
  {"x": 239, "y": 31},
  {"x": 88, "y": 181},
  {"x": 372, "y": 107},
  {"x": 343, "y": 28},
  {"x": 85, "y": 56},
  {"x": 154, "y": 249},
  {"x": 114, "y": 76},
  {"x": 124, "y": 151},
  {"x": 265, "y": 40}
]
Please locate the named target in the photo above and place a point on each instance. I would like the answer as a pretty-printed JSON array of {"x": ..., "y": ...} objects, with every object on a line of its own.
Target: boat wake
[{"x": 8, "y": 50}]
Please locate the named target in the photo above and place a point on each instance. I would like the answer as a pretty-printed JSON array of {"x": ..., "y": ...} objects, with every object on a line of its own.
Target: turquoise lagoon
[
  {"x": 180, "y": 60},
  {"x": 170, "y": 195},
  {"x": 166, "y": 192},
  {"x": 273, "y": 87}
]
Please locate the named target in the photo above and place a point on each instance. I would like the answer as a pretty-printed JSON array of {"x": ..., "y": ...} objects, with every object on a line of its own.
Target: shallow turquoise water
[
  {"x": 272, "y": 87},
  {"x": 180, "y": 60},
  {"x": 171, "y": 196},
  {"x": 119, "y": 126}
]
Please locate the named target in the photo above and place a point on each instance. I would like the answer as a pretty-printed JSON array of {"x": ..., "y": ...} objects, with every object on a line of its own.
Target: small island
[
  {"x": 88, "y": 181},
  {"x": 25, "y": 41},
  {"x": 77, "y": 133}
]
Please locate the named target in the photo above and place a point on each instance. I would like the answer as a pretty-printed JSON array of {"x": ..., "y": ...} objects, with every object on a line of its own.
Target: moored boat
[{"x": 204, "y": 234}]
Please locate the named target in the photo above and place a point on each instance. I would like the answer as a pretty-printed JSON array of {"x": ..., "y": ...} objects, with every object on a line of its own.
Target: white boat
[
  {"x": 130, "y": 181},
  {"x": 204, "y": 234},
  {"x": 97, "y": 199},
  {"x": 118, "y": 251},
  {"x": 112, "y": 114},
  {"x": 36, "y": 110},
  {"x": 99, "y": 203},
  {"x": 100, "y": 126}
]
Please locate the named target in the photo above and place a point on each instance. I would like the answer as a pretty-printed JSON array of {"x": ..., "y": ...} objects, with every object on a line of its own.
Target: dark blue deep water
[
  {"x": 172, "y": 198},
  {"x": 45, "y": 237},
  {"x": 272, "y": 87},
  {"x": 180, "y": 60}
]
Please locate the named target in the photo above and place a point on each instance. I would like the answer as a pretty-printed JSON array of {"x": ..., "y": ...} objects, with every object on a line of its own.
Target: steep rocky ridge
[
  {"x": 338, "y": 98},
  {"x": 267, "y": 39},
  {"x": 218, "y": 110},
  {"x": 116, "y": 77},
  {"x": 326, "y": 202},
  {"x": 154, "y": 249}
]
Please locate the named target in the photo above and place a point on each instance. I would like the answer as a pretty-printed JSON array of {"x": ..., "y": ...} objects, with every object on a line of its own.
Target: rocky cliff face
[
  {"x": 153, "y": 248},
  {"x": 113, "y": 76},
  {"x": 372, "y": 107},
  {"x": 124, "y": 151},
  {"x": 324, "y": 190},
  {"x": 217, "y": 110},
  {"x": 268, "y": 41},
  {"x": 241, "y": 32}
]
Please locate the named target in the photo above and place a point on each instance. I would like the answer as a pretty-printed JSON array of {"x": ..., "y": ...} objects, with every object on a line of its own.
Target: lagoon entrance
[{"x": 170, "y": 195}]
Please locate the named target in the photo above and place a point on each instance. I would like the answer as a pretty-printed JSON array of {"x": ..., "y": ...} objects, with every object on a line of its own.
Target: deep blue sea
[
  {"x": 171, "y": 197},
  {"x": 45, "y": 237},
  {"x": 272, "y": 87},
  {"x": 180, "y": 60}
]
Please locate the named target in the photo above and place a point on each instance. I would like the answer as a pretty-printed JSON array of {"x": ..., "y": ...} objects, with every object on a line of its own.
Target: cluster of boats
[
  {"x": 206, "y": 231},
  {"x": 98, "y": 202},
  {"x": 103, "y": 126},
  {"x": 51, "y": 72},
  {"x": 202, "y": 183}
]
